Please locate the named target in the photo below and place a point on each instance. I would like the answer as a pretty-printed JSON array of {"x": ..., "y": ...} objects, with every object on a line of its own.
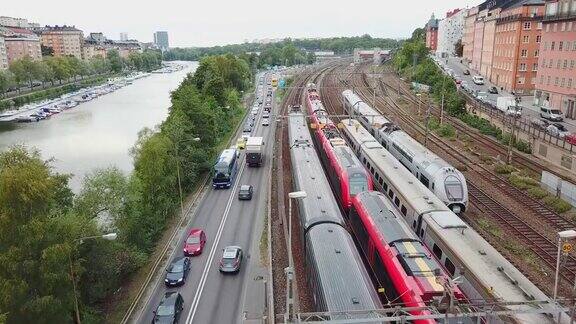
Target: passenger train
[
  {"x": 334, "y": 268},
  {"x": 485, "y": 273},
  {"x": 345, "y": 172},
  {"x": 398, "y": 258},
  {"x": 444, "y": 180}
]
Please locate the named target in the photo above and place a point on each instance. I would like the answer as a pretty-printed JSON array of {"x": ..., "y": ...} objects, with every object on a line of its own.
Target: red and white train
[{"x": 347, "y": 175}]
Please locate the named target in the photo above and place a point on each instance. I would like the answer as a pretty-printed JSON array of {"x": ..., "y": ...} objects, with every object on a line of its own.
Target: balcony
[{"x": 560, "y": 16}]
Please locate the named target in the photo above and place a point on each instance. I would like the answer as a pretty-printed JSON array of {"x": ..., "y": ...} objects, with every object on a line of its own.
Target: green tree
[
  {"x": 46, "y": 50},
  {"x": 60, "y": 68},
  {"x": 25, "y": 69},
  {"x": 6, "y": 80},
  {"x": 115, "y": 60},
  {"x": 45, "y": 72}
]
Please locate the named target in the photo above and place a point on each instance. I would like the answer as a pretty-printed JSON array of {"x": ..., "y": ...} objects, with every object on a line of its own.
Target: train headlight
[{"x": 457, "y": 209}]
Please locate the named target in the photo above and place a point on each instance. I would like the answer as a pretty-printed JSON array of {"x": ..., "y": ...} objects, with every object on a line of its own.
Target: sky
[{"x": 208, "y": 23}]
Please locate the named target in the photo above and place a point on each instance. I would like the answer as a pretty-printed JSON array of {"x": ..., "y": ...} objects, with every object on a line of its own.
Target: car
[
  {"x": 493, "y": 90},
  {"x": 194, "y": 244},
  {"x": 540, "y": 124},
  {"x": 245, "y": 192},
  {"x": 551, "y": 114},
  {"x": 265, "y": 122},
  {"x": 241, "y": 143},
  {"x": 177, "y": 272},
  {"x": 458, "y": 81},
  {"x": 231, "y": 259},
  {"x": 266, "y": 114},
  {"x": 169, "y": 309},
  {"x": 478, "y": 79},
  {"x": 556, "y": 129},
  {"x": 466, "y": 72},
  {"x": 247, "y": 129}
]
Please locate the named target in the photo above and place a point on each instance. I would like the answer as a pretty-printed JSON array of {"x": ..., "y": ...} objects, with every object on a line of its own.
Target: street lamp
[
  {"x": 108, "y": 237},
  {"x": 290, "y": 270},
  {"x": 517, "y": 100},
  {"x": 195, "y": 139},
  {"x": 562, "y": 237}
]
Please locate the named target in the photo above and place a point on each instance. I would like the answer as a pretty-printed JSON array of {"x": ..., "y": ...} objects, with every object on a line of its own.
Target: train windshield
[
  {"x": 358, "y": 183},
  {"x": 454, "y": 188}
]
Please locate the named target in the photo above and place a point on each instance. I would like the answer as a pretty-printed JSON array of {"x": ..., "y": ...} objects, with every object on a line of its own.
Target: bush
[
  {"x": 521, "y": 182},
  {"x": 537, "y": 192},
  {"x": 523, "y": 146},
  {"x": 557, "y": 204},
  {"x": 504, "y": 168},
  {"x": 446, "y": 131},
  {"x": 433, "y": 123},
  {"x": 481, "y": 124}
]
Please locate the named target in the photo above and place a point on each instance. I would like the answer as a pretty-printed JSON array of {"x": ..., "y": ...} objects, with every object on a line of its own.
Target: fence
[{"x": 560, "y": 188}]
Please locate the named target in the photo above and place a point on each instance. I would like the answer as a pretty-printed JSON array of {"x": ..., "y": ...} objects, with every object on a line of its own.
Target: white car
[
  {"x": 265, "y": 122},
  {"x": 478, "y": 79}
]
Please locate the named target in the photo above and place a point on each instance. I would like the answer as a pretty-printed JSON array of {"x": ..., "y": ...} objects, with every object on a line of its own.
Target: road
[
  {"x": 209, "y": 296},
  {"x": 531, "y": 111}
]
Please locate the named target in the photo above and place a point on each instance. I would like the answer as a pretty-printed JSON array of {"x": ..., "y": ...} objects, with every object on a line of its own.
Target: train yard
[{"x": 515, "y": 225}]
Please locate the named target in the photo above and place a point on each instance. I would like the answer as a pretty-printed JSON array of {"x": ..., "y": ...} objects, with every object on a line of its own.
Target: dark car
[
  {"x": 245, "y": 192},
  {"x": 560, "y": 127},
  {"x": 231, "y": 259},
  {"x": 169, "y": 309},
  {"x": 493, "y": 90},
  {"x": 466, "y": 72},
  {"x": 177, "y": 272}
]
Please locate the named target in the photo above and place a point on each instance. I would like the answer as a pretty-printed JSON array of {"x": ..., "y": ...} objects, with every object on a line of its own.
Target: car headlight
[
  {"x": 180, "y": 279},
  {"x": 166, "y": 280}
]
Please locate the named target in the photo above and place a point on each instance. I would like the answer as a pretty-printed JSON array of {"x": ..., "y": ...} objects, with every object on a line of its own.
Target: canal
[{"x": 98, "y": 133}]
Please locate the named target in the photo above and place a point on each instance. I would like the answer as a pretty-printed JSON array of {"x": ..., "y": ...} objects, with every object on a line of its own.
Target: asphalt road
[
  {"x": 531, "y": 111},
  {"x": 209, "y": 296}
]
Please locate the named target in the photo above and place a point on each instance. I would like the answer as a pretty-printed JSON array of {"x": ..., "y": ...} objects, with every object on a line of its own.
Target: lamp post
[
  {"x": 108, "y": 237},
  {"x": 563, "y": 237},
  {"x": 517, "y": 100},
  {"x": 195, "y": 139},
  {"x": 290, "y": 269}
]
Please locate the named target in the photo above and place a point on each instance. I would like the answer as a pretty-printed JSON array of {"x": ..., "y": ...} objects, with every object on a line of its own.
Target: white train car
[
  {"x": 444, "y": 180},
  {"x": 486, "y": 274}
]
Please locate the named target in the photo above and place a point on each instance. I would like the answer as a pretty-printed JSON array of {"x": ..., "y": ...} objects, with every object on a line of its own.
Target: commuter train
[
  {"x": 335, "y": 271},
  {"x": 399, "y": 260},
  {"x": 345, "y": 172},
  {"x": 444, "y": 180},
  {"x": 485, "y": 273}
]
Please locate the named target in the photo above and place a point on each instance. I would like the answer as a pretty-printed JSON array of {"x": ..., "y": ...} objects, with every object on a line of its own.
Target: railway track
[{"x": 538, "y": 243}]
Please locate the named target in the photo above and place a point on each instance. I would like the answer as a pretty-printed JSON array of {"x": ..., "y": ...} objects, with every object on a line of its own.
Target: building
[
  {"x": 19, "y": 43},
  {"x": 432, "y": 34},
  {"x": 450, "y": 31},
  {"x": 517, "y": 46},
  {"x": 556, "y": 78},
  {"x": 3, "y": 56},
  {"x": 161, "y": 40},
  {"x": 96, "y": 45},
  {"x": 468, "y": 34},
  {"x": 123, "y": 37},
  {"x": 64, "y": 40},
  {"x": 14, "y": 22}
]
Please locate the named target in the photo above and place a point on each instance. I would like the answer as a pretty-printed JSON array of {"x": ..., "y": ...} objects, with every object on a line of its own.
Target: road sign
[{"x": 566, "y": 247}]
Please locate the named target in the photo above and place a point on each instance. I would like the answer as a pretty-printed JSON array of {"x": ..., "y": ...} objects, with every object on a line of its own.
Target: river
[{"x": 98, "y": 133}]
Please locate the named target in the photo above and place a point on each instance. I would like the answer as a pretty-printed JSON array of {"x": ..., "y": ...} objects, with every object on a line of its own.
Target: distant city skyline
[{"x": 209, "y": 24}]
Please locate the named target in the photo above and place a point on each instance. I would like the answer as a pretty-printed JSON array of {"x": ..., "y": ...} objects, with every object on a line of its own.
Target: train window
[
  {"x": 424, "y": 180},
  {"x": 450, "y": 266},
  {"x": 377, "y": 176},
  {"x": 414, "y": 224},
  {"x": 422, "y": 233},
  {"x": 372, "y": 170},
  {"x": 364, "y": 160},
  {"x": 385, "y": 186},
  {"x": 397, "y": 202},
  {"x": 403, "y": 209},
  {"x": 390, "y": 193},
  {"x": 432, "y": 185},
  {"x": 437, "y": 251}
]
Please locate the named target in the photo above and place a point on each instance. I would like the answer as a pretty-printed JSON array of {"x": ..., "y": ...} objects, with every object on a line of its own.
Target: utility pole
[
  {"x": 517, "y": 100},
  {"x": 442, "y": 103},
  {"x": 427, "y": 125}
]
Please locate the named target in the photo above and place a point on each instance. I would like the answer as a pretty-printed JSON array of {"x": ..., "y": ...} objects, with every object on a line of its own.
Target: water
[{"x": 98, "y": 133}]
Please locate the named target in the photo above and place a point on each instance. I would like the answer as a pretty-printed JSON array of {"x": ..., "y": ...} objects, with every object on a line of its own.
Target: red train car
[
  {"x": 400, "y": 262},
  {"x": 347, "y": 175}
]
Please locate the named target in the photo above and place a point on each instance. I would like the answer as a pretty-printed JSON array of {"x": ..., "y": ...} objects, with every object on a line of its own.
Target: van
[
  {"x": 551, "y": 114},
  {"x": 478, "y": 79}
]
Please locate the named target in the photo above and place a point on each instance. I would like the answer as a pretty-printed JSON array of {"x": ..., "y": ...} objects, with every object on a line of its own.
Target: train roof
[
  {"x": 369, "y": 114},
  {"x": 394, "y": 232},
  {"x": 419, "y": 153},
  {"x": 341, "y": 276},
  {"x": 491, "y": 269},
  {"x": 420, "y": 197},
  {"x": 347, "y": 159},
  {"x": 308, "y": 175}
]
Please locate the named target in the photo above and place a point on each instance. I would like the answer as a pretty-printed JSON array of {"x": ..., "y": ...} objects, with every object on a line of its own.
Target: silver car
[{"x": 231, "y": 259}]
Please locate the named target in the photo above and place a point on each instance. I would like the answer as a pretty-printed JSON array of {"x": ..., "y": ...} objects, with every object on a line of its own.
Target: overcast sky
[{"x": 207, "y": 23}]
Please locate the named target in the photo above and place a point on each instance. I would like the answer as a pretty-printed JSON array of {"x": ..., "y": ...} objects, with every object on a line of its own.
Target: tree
[
  {"x": 115, "y": 60},
  {"x": 60, "y": 67},
  {"x": 47, "y": 50},
  {"x": 25, "y": 69},
  {"x": 6, "y": 80},
  {"x": 45, "y": 72}
]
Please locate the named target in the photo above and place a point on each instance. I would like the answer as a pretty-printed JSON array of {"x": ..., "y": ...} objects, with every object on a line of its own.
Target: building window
[
  {"x": 565, "y": 65},
  {"x": 536, "y": 53},
  {"x": 541, "y": 79},
  {"x": 563, "y": 26},
  {"x": 570, "y": 83},
  {"x": 526, "y": 39},
  {"x": 548, "y": 28},
  {"x": 558, "y": 63},
  {"x": 538, "y": 38},
  {"x": 522, "y": 67},
  {"x": 560, "y": 45},
  {"x": 544, "y": 63},
  {"x": 571, "y": 64},
  {"x": 563, "y": 82},
  {"x": 567, "y": 46},
  {"x": 527, "y": 25},
  {"x": 535, "y": 67},
  {"x": 548, "y": 81},
  {"x": 556, "y": 81},
  {"x": 524, "y": 53},
  {"x": 539, "y": 25},
  {"x": 520, "y": 80},
  {"x": 552, "y": 45}
]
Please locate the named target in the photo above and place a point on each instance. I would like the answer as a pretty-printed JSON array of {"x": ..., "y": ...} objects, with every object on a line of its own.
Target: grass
[
  {"x": 504, "y": 168},
  {"x": 557, "y": 204},
  {"x": 487, "y": 225},
  {"x": 537, "y": 193},
  {"x": 264, "y": 242}
]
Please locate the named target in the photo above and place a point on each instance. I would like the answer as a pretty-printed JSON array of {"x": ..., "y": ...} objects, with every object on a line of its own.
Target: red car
[{"x": 195, "y": 242}]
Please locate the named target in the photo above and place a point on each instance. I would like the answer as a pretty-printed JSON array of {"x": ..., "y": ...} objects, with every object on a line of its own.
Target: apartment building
[
  {"x": 450, "y": 31},
  {"x": 432, "y": 34},
  {"x": 20, "y": 42},
  {"x": 64, "y": 40},
  {"x": 3, "y": 56}
]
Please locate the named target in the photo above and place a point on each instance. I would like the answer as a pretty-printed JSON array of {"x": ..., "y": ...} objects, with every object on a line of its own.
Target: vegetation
[
  {"x": 287, "y": 52},
  {"x": 42, "y": 221}
]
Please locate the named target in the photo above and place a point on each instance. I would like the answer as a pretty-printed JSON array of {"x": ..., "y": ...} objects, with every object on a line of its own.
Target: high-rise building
[
  {"x": 161, "y": 40},
  {"x": 450, "y": 31},
  {"x": 556, "y": 78},
  {"x": 20, "y": 42},
  {"x": 3, "y": 57},
  {"x": 64, "y": 40},
  {"x": 432, "y": 33},
  {"x": 123, "y": 37}
]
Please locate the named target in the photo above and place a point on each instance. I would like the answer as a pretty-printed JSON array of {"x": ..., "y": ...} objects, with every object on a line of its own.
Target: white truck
[
  {"x": 507, "y": 105},
  {"x": 254, "y": 148}
]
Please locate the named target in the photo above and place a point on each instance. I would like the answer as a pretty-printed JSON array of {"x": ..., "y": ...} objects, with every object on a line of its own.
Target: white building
[
  {"x": 3, "y": 55},
  {"x": 123, "y": 37},
  {"x": 14, "y": 22},
  {"x": 450, "y": 31}
]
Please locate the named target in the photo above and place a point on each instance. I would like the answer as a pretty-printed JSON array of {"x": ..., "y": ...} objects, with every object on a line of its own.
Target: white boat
[{"x": 8, "y": 113}]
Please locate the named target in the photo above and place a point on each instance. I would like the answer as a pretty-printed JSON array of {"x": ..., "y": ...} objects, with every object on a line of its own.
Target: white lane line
[{"x": 208, "y": 264}]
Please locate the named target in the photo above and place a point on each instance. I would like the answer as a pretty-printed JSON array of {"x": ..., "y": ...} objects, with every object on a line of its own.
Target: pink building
[
  {"x": 19, "y": 43},
  {"x": 468, "y": 37},
  {"x": 556, "y": 78},
  {"x": 432, "y": 34},
  {"x": 478, "y": 41}
]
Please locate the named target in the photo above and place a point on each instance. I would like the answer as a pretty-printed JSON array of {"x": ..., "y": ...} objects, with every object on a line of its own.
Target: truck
[
  {"x": 507, "y": 105},
  {"x": 254, "y": 148}
]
